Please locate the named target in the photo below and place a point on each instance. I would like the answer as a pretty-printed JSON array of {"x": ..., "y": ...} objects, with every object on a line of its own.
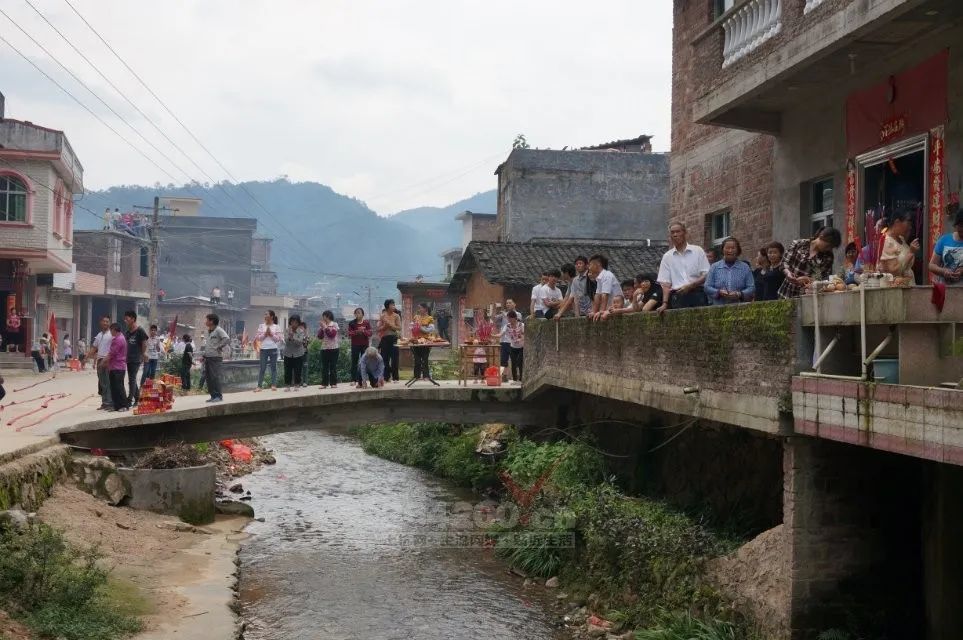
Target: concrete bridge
[{"x": 248, "y": 414}]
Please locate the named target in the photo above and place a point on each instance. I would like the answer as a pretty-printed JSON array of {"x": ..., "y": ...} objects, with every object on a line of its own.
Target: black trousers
[
  {"x": 420, "y": 354},
  {"x": 133, "y": 395},
  {"x": 356, "y": 353},
  {"x": 185, "y": 376},
  {"x": 518, "y": 359},
  {"x": 292, "y": 370},
  {"x": 694, "y": 298},
  {"x": 41, "y": 367},
  {"x": 389, "y": 353},
  {"x": 117, "y": 395},
  {"x": 329, "y": 367}
]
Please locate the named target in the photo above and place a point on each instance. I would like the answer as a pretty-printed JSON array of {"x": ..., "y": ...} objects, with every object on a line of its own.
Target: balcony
[{"x": 765, "y": 56}]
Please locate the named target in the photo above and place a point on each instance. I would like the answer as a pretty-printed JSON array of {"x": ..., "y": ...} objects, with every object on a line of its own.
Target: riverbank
[{"x": 619, "y": 564}]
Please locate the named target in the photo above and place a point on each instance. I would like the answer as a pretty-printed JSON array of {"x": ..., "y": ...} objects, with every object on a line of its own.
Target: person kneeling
[{"x": 371, "y": 369}]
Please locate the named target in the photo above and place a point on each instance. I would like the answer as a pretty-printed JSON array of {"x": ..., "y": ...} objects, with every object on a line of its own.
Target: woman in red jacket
[{"x": 359, "y": 330}]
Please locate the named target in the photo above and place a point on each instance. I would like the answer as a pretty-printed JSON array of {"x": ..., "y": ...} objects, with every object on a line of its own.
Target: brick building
[
  {"x": 618, "y": 190},
  {"x": 788, "y": 115},
  {"x": 39, "y": 174}
]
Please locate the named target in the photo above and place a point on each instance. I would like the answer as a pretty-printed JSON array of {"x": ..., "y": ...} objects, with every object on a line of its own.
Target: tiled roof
[
  {"x": 522, "y": 263},
  {"x": 619, "y": 143}
]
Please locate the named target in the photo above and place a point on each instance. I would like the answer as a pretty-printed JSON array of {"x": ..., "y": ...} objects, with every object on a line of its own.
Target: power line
[
  {"x": 295, "y": 237},
  {"x": 97, "y": 96}
]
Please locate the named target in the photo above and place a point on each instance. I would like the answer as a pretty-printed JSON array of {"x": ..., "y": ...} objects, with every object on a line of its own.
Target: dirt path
[{"x": 185, "y": 576}]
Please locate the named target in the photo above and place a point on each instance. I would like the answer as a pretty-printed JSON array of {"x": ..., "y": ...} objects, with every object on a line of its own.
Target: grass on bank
[
  {"x": 637, "y": 561},
  {"x": 62, "y": 591}
]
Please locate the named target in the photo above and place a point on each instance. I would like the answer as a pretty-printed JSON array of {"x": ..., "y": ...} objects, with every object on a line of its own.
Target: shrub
[
  {"x": 57, "y": 589},
  {"x": 682, "y": 626},
  {"x": 579, "y": 465},
  {"x": 458, "y": 461},
  {"x": 314, "y": 362}
]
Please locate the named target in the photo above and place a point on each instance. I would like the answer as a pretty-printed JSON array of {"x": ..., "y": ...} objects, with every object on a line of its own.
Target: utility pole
[
  {"x": 154, "y": 247},
  {"x": 153, "y": 258}
]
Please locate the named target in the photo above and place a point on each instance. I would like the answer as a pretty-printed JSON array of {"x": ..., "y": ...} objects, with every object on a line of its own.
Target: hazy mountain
[
  {"x": 441, "y": 220},
  {"x": 319, "y": 235}
]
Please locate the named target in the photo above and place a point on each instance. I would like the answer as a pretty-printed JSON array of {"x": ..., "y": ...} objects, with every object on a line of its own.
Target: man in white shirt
[
  {"x": 607, "y": 287},
  {"x": 682, "y": 272},
  {"x": 538, "y": 306},
  {"x": 551, "y": 294},
  {"x": 99, "y": 351}
]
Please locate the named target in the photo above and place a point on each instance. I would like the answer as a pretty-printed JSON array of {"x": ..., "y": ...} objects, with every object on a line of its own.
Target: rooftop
[
  {"x": 585, "y": 160},
  {"x": 522, "y": 263},
  {"x": 615, "y": 144},
  {"x": 464, "y": 215}
]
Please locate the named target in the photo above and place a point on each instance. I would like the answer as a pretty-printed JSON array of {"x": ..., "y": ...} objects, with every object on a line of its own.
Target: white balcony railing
[
  {"x": 811, "y": 4},
  {"x": 748, "y": 27}
]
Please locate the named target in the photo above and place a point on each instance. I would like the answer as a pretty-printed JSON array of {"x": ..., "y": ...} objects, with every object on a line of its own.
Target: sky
[{"x": 399, "y": 104}]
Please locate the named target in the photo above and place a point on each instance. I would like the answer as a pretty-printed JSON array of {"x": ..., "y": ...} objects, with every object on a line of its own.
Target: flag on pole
[
  {"x": 172, "y": 330},
  {"x": 52, "y": 327}
]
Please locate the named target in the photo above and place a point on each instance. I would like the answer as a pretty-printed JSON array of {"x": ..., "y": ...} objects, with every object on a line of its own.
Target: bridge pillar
[{"x": 854, "y": 519}]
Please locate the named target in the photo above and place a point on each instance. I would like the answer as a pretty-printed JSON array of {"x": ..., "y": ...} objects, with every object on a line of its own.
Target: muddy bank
[{"x": 183, "y": 573}]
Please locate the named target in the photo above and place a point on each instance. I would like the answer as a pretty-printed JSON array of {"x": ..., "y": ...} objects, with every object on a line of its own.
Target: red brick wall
[{"x": 713, "y": 169}]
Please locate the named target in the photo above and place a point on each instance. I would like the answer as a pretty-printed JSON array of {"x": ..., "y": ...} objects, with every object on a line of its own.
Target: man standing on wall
[
  {"x": 218, "y": 345},
  {"x": 136, "y": 354},
  {"x": 99, "y": 352},
  {"x": 682, "y": 272},
  {"x": 538, "y": 306}
]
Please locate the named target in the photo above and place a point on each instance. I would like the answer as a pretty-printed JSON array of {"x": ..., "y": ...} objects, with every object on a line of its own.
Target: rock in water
[
  {"x": 236, "y": 488},
  {"x": 552, "y": 583},
  {"x": 231, "y": 508}
]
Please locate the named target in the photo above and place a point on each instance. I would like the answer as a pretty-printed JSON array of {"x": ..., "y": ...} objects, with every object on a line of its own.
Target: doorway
[{"x": 892, "y": 179}]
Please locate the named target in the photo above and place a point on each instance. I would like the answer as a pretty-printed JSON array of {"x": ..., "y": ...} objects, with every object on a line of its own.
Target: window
[
  {"x": 144, "y": 262},
  {"x": 115, "y": 248},
  {"x": 13, "y": 199},
  {"x": 821, "y": 211},
  {"x": 722, "y": 6},
  {"x": 719, "y": 228}
]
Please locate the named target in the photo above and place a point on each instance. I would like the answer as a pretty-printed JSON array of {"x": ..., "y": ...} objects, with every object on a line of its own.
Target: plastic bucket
[{"x": 886, "y": 370}]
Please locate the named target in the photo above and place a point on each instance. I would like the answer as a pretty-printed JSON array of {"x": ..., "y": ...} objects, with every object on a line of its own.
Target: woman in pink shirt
[
  {"x": 116, "y": 363},
  {"x": 328, "y": 333}
]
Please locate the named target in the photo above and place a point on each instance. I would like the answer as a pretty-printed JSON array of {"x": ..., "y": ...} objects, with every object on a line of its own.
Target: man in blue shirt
[{"x": 730, "y": 279}]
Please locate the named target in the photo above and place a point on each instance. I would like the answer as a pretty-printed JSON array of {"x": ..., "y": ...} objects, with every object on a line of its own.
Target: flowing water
[{"x": 351, "y": 548}]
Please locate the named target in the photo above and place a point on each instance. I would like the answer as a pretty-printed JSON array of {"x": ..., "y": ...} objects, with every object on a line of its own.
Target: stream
[{"x": 354, "y": 546}]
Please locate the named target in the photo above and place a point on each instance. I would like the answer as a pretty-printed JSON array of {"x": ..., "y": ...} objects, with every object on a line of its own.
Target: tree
[{"x": 520, "y": 142}]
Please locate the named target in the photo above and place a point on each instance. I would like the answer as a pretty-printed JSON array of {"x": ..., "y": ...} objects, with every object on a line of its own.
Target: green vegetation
[
  {"x": 61, "y": 591},
  {"x": 638, "y": 561},
  {"x": 447, "y": 450}
]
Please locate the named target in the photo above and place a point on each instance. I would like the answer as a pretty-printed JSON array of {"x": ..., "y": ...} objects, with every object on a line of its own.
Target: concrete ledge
[
  {"x": 915, "y": 421},
  {"x": 28, "y": 480}
]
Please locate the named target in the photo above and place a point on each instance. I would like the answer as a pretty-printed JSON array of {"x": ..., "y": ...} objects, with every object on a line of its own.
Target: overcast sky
[{"x": 399, "y": 104}]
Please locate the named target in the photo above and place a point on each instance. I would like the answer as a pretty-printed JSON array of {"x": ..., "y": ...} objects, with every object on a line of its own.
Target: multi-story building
[
  {"x": 39, "y": 174},
  {"x": 618, "y": 190},
  {"x": 788, "y": 115},
  {"x": 123, "y": 261}
]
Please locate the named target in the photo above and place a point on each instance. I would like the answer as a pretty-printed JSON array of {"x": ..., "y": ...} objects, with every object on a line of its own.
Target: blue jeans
[
  {"x": 150, "y": 370},
  {"x": 269, "y": 357}
]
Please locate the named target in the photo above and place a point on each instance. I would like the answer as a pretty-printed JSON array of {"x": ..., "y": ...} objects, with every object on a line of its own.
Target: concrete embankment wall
[{"x": 27, "y": 480}]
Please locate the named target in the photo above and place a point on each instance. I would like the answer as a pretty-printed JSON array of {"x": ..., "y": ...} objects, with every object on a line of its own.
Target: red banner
[
  {"x": 937, "y": 190},
  {"x": 851, "y": 234},
  {"x": 908, "y": 103}
]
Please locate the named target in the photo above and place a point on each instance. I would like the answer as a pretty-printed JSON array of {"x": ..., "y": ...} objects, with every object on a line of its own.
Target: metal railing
[{"x": 749, "y": 26}]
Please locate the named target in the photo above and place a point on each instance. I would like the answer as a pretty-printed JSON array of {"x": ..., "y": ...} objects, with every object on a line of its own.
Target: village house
[
  {"x": 616, "y": 190},
  {"x": 790, "y": 115},
  {"x": 39, "y": 174},
  {"x": 492, "y": 272}
]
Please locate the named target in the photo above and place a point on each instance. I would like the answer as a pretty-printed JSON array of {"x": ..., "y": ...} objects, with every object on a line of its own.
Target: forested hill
[{"x": 318, "y": 233}]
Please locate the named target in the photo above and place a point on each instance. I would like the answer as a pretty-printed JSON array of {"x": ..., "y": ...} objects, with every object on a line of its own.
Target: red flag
[
  {"x": 173, "y": 328},
  {"x": 52, "y": 328}
]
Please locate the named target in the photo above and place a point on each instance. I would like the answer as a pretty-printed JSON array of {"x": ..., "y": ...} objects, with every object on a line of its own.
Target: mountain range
[{"x": 320, "y": 236}]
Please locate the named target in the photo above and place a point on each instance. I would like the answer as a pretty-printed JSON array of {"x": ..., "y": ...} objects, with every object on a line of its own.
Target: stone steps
[{"x": 10, "y": 361}]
